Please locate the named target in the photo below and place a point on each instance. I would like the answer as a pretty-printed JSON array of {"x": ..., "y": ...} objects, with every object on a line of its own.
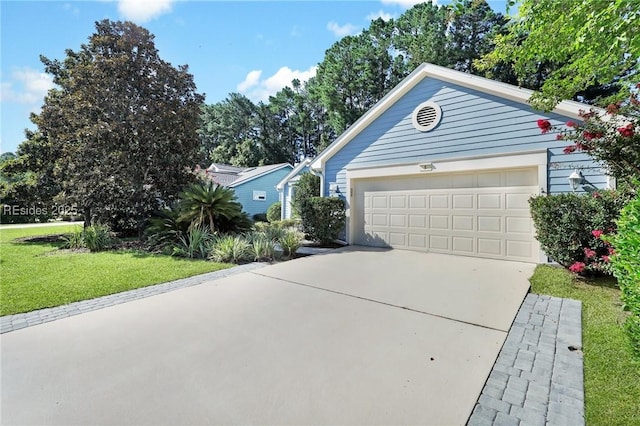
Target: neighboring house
[
  {"x": 287, "y": 187},
  {"x": 254, "y": 186},
  {"x": 446, "y": 162}
]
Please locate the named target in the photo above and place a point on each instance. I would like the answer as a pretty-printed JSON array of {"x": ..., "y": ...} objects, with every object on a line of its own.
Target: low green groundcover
[
  {"x": 38, "y": 275},
  {"x": 611, "y": 373}
]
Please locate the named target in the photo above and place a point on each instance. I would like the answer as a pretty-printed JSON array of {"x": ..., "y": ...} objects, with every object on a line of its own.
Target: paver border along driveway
[{"x": 355, "y": 336}]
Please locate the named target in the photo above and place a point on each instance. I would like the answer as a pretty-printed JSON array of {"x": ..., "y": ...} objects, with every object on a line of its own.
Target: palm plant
[{"x": 207, "y": 203}]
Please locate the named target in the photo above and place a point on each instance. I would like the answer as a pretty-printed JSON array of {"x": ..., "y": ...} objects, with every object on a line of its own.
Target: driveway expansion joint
[
  {"x": 406, "y": 308},
  {"x": 538, "y": 376}
]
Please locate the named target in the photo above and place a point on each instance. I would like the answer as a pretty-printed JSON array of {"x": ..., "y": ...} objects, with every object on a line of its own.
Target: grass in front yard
[
  {"x": 37, "y": 275},
  {"x": 612, "y": 375}
]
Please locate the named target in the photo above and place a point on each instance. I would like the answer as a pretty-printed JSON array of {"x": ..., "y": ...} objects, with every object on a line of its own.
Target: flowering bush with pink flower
[
  {"x": 569, "y": 228},
  {"x": 610, "y": 136}
]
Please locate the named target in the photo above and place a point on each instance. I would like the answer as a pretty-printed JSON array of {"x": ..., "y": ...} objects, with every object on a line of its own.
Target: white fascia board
[
  {"x": 266, "y": 172},
  {"x": 383, "y": 104},
  {"x": 292, "y": 173}
]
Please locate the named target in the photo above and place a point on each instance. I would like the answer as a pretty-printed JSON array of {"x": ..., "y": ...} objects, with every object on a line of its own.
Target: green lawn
[
  {"x": 612, "y": 375},
  {"x": 37, "y": 275}
]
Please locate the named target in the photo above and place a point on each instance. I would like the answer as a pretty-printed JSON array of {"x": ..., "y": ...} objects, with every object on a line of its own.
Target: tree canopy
[
  {"x": 582, "y": 43},
  {"x": 117, "y": 134}
]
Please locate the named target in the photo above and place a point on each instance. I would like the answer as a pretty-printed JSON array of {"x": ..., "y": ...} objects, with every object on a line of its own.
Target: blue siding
[
  {"x": 473, "y": 123},
  {"x": 288, "y": 213},
  {"x": 266, "y": 183}
]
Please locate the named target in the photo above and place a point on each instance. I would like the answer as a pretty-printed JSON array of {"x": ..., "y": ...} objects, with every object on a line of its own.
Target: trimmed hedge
[
  {"x": 323, "y": 219},
  {"x": 568, "y": 227},
  {"x": 626, "y": 267},
  {"x": 274, "y": 212}
]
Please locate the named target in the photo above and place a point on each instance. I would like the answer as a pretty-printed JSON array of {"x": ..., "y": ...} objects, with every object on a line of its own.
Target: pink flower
[
  {"x": 569, "y": 149},
  {"x": 606, "y": 259},
  {"x": 626, "y": 131},
  {"x": 589, "y": 253},
  {"x": 571, "y": 124},
  {"x": 591, "y": 135},
  {"x": 596, "y": 194},
  {"x": 613, "y": 108},
  {"x": 597, "y": 233},
  {"x": 611, "y": 251},
  {"x": 577, "y": 267},
  {"x": 544, "y": 125},
  {"x": 559, "y": 137}
]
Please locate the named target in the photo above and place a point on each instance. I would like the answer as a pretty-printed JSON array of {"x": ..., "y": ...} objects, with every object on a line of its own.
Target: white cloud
[
  {"x": 407, "y": 3},
  {"x": 142, "y": 11},
  {"x": 258, "y": 89},
  {"x": 26, "y": 86},
  {"x": 252, "y": 79},
  {"x": 380, "y": 14},
  {"x": 342, "y": 30}
]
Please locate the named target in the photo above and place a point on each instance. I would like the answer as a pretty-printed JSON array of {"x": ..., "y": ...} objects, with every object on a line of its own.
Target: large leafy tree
[
  {"x": 470, "y": 35},
  {"x": 583, "y": 44},
  {"x": 120, "y": 126},
  {"x": 356, "y": 72}
]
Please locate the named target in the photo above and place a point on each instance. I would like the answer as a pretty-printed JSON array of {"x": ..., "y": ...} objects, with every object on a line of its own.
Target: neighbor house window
[{"x": 259, "y": 195}]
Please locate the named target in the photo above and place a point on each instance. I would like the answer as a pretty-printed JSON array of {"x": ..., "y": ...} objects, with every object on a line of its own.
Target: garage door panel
[
  {"x": 379, "y": 202},
  {"x": 439, "y": 201},
  {"x": 397, "y": 201},
  {"x": 489, "y": 224},
  {"x": 439, "y": 222},
  {"x": 398, "y": 220},
  {"x": 488, "y": 219},
  {"x": 490, "y": 246},
  {"x": 418, "y": 241},
  {"x": 418, "y": 220},
  {"x": 463, "y": 201},
  {"x": 519, "y": 225},
  {"x": 489, "y": 201},
  {"x": 517, "y": 201},
  {"x": 463, "y": 244},
  {"x": 439, "y": 242},
  {"x": 463, "y": 223}
]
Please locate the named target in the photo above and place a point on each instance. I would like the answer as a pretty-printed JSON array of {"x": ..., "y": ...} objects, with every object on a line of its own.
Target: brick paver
[
  {"x": 538, "y": 376},
  {"x": 15, "y": 322}
]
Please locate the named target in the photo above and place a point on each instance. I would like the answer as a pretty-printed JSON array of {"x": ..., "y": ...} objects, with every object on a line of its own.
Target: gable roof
[
  {"x": 304, "y": 163},
  {"x": 232, "y": 176},
  {"x": 252, "y": 173},
  {"x": 503, "y": 90}
]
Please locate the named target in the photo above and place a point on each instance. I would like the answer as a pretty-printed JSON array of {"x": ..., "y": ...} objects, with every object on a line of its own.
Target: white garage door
[{"x": 484, "y": 214}]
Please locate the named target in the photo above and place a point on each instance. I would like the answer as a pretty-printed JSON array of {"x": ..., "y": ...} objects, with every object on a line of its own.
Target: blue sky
[{"x": 254, "y": 48}]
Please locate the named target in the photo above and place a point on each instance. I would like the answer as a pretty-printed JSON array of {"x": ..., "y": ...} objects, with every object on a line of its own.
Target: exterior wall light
[
  {"x": 576, "y": 179},
  {"x": 426, "y": 167}
]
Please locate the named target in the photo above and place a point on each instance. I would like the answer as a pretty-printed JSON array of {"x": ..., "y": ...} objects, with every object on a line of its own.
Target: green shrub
[
  {"x": 290, "y": 223},
  {"x": 308, "y": 186},
  {"x": 626, "y": 266},
  {"x": 290, "y": 243},
  {"x": 97, "y": 237},
  {"x": 74, "y": 240},
  {"x": 263, "y": 248},
  {"x": 165, "y": 229},
  {"x": 195, "y": 244},
  {"x": 322, "y": 218},
  {"x": 260, "y": 217},
  {"x": 274, "y": 212},
  {"x": 230, "y": 248},
  {"x": 568, "y": 227}
]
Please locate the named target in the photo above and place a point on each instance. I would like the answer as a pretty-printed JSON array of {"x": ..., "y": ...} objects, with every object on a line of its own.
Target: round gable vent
[{"x": 426, "y": 116}]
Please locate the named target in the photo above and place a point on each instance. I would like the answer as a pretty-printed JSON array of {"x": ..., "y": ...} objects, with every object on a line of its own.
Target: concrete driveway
[{"x": 355, "y": 336}]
